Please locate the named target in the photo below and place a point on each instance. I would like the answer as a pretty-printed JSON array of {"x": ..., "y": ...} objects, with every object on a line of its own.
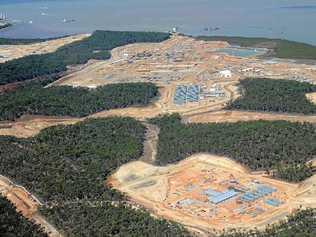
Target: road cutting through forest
[
  {"x": 179, "y": 61},
  {"x": 29, "y": 126},
  {"x": 26, "y": 203}
]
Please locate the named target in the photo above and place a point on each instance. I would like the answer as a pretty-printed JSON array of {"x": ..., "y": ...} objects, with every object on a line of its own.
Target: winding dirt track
[
  {"x": 150, "y": 143},
  {"x": 223, "y": 116},
  {"x": 29, "y": 126},
  {"x": 26, "y": 203}
]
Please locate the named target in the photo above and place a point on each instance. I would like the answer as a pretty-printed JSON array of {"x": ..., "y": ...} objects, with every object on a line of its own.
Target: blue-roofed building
[
  {"x": 218, "y": 197},
  {"x": 259, "y": 192},
  {"x": 273, "y": 202},
  {"x": 185, "y": 94},
  {"x": 224, "y": 196}
]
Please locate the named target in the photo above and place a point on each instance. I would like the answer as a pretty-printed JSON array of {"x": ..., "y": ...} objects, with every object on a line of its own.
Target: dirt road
[
  {"x": 26, "y": 203},
  {"x": 150, "y": 143},
  {"x": 223, "y": 116},
  {"x": 29, "y": 126}
]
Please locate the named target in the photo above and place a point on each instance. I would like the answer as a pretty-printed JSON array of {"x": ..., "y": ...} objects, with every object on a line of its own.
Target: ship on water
[{"x": 4, "y": 21}]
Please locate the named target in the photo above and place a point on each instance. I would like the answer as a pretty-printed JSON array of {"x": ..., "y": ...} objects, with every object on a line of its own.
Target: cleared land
[
  {"x": 184, "y": 62},
  {"x": 10, "y": 52},
  {"x": 311, "y": 97},
  {"x": 26, "y": 204},
  {"x": 13, "y": 223},
  {"x": 232, "y": 116},
  {"x": 177, "y": 66},
  {"x": 178, "y": 63},
  {"x": 96, "y": 46},
  {"x": 28, "y": 126},
  {"x": 70, "y": 177},
  {"x": 177, "y": 192}
]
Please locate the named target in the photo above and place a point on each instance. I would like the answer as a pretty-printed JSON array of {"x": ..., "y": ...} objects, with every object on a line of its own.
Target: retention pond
[{"x": 242, "y": 52}]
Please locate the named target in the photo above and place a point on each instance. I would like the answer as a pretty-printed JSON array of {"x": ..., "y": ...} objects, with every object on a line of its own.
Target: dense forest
[
  {"x": 281, "y": 48},
  {"x": 33, "y": 99},
  {"x": 66, "y": 167},
  {"x": 275, "y": 95},
  {"x": 66, "y": 163},
  {"x": 260, "y": 145},
  {"x": 97, "y": 46},
  {"x": 13, "y": 224},
  {"x": 108, "y": 220},
  {"x": 300, "y": 224}
]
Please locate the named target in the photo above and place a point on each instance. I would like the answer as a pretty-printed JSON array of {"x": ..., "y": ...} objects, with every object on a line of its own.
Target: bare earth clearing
[
  {"x": 25, "y": 203},
  {"x": 177, "y": 192},
  {"x": 10, "y": 52},
  {"x": 311, "y": 97},
  {"x": 29, "y": 126},
  {"x": 237, "y": 116},
  {"x": 179, "y": 61}
]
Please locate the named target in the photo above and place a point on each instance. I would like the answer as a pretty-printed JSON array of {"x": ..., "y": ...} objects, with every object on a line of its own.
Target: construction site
[
  {"x": 26, "y": 203},
  {"x": 193, "y": 75},
  {"x": 196, "y": 79},
  {"x": 209, "y": 192}
]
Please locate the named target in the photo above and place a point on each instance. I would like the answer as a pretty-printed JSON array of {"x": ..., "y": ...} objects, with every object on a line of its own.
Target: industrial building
[
  {"x": 215, "y": 91},
  {"x": 185, "y": 94},
  {"x": 259, "y": 192},
  {"x": 219, "y": 197},
  {"x": 225, "y": 74}
]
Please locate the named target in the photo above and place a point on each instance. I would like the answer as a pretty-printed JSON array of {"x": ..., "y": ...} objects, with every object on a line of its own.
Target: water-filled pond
[{"x": 242, "y": 52}]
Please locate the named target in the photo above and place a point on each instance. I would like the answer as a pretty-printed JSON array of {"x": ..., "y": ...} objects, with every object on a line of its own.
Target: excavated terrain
[{"x": 177, "y": 192}]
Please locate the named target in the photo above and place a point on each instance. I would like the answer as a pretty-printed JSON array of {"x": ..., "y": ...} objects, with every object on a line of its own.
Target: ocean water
[{"x": 288, "y": 19}]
